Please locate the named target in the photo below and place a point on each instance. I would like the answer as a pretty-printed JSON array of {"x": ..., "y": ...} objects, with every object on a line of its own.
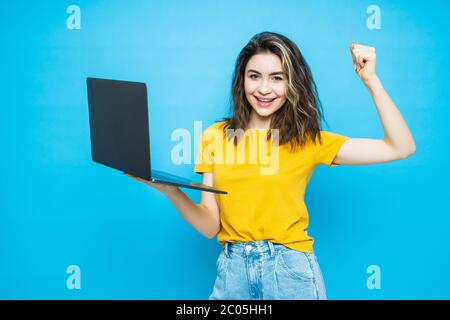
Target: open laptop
[{"x": 120, "y": 138}]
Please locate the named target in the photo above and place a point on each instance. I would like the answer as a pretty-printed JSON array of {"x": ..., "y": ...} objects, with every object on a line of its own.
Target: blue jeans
[{"x": 264, "y": 270}]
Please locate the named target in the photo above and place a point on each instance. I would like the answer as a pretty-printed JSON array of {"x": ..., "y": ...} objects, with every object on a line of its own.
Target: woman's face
[{"x": 264, "y": 79}]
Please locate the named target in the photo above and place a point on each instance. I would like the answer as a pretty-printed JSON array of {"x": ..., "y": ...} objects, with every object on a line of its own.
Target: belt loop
[
  {"x": 226, "y": 249},
  {"x": 271, "y": 249}
]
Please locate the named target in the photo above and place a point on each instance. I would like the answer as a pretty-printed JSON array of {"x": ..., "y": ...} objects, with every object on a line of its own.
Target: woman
[{"x": 262, "y": 221}]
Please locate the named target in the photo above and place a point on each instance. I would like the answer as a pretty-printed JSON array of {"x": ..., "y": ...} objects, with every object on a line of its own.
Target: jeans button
[{"x": 248, "y": 248}]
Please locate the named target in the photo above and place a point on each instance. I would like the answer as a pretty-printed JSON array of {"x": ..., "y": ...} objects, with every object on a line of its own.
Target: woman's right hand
[{"x": 164, "y": 188}]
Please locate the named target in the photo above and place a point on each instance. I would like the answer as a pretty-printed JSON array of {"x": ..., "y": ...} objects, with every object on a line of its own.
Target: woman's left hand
[{"x": 364, "y": 61}]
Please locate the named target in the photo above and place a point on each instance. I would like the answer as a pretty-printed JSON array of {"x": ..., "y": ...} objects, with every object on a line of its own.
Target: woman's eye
[{"x": 276, "y": 78}]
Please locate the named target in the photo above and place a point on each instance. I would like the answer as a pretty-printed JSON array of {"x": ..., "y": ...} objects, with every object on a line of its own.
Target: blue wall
[{"x": 58, "y": 208}]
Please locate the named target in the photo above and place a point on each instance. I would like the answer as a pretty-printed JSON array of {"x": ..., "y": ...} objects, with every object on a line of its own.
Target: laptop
[{"x": 119, "y": 131}]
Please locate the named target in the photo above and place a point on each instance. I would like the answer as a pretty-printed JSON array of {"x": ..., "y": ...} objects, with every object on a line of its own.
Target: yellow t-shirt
[{"x": 265, "y": 185}]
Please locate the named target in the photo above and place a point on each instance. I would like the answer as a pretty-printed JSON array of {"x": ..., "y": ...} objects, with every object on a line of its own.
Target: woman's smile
[{"x": 264, "y": 102}]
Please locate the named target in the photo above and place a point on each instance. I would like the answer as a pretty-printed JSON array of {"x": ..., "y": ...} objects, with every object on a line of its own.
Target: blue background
[{"x": 58, "y": 208}]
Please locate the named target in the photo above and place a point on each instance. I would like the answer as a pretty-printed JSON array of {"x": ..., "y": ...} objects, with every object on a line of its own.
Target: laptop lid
[{"x": 117, "y": 115}]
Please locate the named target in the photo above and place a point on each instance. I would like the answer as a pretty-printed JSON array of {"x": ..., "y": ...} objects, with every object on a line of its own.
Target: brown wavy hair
[{"x": 299, "y": 118}]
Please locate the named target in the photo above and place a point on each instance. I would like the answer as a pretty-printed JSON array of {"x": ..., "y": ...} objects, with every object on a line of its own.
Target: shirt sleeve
[
  {"x": 327, "y": 151},
  {"x": 205, "y": 155}
]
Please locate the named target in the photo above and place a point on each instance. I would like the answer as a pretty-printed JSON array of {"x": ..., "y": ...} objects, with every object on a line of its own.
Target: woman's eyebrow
[{"x": 272, "y": 74}]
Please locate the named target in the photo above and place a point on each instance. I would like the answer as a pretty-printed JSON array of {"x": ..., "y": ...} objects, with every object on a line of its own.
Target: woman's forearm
[
  {"x": 196, "y": 215},
  {"x": 396, "y": 131}
]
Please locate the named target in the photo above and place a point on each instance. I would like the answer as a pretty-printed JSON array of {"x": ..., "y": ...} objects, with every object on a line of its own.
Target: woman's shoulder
[{"x": 217, "y": 125}]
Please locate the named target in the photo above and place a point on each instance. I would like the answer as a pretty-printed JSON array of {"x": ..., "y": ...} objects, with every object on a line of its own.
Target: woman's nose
[{"x": 264, "y": 88}]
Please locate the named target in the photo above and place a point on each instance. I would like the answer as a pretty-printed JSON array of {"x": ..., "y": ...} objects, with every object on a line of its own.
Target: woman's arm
[
  {"x": 398, "y": 142},
  {"x": 204, "y": 217}
]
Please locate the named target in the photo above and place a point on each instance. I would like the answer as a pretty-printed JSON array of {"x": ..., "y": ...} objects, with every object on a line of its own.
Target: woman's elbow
[
  {"x": 409, "y": 152},
  {"x": 213, "y": 233}
]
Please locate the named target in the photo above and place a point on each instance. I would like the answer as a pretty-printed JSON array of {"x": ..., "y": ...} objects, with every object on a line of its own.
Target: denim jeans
[{"x": 264, "y": 270}]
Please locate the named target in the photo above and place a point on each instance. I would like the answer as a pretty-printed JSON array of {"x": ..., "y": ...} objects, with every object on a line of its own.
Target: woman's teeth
[{"x": 264, "y": 102}]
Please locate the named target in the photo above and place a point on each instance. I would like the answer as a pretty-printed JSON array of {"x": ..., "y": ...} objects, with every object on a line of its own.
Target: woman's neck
[{"x": 257, "y": 122}]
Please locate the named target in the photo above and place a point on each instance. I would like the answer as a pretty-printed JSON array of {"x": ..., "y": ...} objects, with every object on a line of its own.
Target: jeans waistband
[{"x": 251, "y": 247}]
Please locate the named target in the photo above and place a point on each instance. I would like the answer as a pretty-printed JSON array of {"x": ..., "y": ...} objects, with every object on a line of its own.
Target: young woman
[{"x": 262, "y": 221}]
